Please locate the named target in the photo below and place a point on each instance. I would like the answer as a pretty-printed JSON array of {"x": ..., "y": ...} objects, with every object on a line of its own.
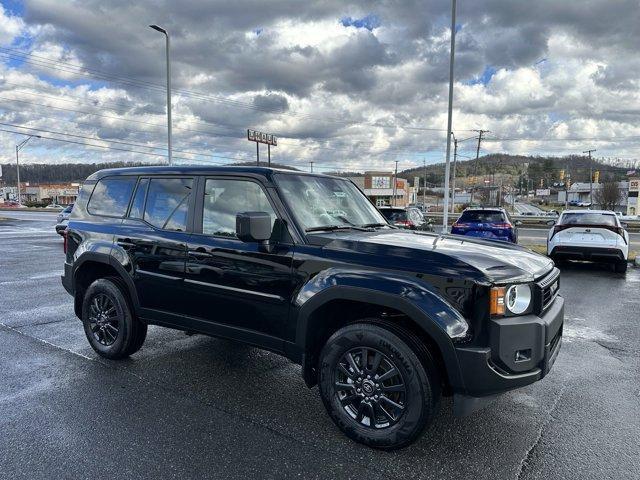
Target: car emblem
[{"x": 588, "y": 230}]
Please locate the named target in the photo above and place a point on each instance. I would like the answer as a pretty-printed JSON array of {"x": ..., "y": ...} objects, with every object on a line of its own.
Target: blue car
[{"x": 486, "y": 223}]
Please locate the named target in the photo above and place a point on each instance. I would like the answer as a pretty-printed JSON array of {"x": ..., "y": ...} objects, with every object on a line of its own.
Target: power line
[{"x": 85, "y": 71}]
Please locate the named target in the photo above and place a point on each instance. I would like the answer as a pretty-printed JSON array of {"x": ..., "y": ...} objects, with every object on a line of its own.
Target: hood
[{"x": 446, "y": 255}]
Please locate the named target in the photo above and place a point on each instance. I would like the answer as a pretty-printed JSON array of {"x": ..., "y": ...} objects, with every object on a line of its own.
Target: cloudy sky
[{"x": 347, "y": 85}]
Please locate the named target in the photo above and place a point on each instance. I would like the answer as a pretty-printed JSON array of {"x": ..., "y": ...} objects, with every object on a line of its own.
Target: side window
[
  {"x": 111, "y": 196},
  {"x": 224, "y": 199},
  {"x": 168, "y": 203},
  {"x": 137, "y": 207}
]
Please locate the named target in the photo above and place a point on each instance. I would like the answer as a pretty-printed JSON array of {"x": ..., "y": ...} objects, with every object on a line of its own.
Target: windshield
[
  {"x": 327, "y": 202},
  {"x": 481, "y": 216},
  {"x": 589, "y": 219}
]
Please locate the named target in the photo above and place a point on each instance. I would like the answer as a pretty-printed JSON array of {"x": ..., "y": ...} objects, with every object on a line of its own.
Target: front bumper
[{"x": 522, "y": 351}]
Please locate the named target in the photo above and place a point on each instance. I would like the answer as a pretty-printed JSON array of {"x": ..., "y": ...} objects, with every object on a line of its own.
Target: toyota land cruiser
[{"x": 383, "y": 320}]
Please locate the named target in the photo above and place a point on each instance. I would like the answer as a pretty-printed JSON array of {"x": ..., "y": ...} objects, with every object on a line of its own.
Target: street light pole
[
  {"x": 445, "y": 210},
  {"x": 453, "y": 174},
  {"x": 18, "y": 148},
  {"x": 590, "y": 176},
  {"x": 169, "y": 148}
]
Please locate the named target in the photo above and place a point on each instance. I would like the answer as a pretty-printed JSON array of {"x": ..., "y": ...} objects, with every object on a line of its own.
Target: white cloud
[{"x": 10, "y": 27}]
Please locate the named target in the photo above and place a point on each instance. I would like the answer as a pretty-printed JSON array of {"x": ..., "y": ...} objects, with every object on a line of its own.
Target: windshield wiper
[
  {"x": 335, "y": 227},
  {"x": 374, "y": 225}
]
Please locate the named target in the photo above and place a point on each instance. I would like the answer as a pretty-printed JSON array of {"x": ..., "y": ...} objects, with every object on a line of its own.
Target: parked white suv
[{"x": 595, "y": 235}]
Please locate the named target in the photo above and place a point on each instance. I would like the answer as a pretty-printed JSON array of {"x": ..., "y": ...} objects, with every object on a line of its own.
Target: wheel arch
[
  {"x": 91, "y": 266},
  {"x": 338, "y": 306}
]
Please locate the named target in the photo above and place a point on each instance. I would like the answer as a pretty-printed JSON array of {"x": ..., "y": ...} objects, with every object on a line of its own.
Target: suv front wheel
[
  {"x": 379, "y": 384},
  {"x": 111, "y": 328}
]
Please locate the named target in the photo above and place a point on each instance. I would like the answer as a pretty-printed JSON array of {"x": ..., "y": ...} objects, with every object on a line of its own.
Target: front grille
[{"x": 548, "y": 288}]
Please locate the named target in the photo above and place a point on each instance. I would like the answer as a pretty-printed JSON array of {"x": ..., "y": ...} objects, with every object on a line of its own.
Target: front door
[{"x": 239, "y": 289}]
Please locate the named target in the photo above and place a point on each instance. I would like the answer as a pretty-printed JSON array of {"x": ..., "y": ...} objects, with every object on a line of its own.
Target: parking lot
[{"x": 193, "y": 406}]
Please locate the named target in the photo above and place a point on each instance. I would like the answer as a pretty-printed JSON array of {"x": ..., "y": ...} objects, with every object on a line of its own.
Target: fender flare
[
  {"x": 105, "y": 259},
  {"x": 383, "y": 299}
]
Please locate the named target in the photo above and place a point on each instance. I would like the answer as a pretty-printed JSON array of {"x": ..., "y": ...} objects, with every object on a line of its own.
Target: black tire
[
  {"x": 416, "y": 387},
  {"x": 621, "y": 266},
  {"x": 109, "y": 324}
]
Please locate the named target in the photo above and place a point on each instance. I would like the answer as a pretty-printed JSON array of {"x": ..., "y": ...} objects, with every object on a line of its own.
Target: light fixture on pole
[
  {"x": 18, "y": 148},
  {"x": 169, "y": 148},
  {"x": 445, "y": 211}
]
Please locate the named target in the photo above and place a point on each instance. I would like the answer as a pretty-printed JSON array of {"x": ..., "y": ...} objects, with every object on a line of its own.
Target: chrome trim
[
  {"x": 234, "y": 289},
  {"x": 160, "y": 275}
]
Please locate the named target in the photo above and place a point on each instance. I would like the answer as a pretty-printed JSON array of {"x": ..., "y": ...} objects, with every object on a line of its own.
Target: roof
[
  {"x": 590, "y": 211},
  {"x": 201, "y": 170},
  {"x": 497, "y": 209}
]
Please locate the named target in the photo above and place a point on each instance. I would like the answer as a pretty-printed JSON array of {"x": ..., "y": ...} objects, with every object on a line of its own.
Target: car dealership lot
[{"x": 196, "y": 406}]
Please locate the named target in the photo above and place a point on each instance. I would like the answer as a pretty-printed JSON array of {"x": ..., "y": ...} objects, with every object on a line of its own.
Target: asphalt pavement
[{"x": 198, "y": 407}]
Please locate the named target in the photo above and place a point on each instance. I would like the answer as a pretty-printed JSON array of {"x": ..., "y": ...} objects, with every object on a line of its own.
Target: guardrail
[{"x": 540, "y": 220}]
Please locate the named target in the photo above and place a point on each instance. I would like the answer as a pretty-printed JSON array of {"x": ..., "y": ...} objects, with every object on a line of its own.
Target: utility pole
[
  {"x": 169, "y": 147},
  {"x": 445, "y": 207},
  {"x": 453, "y": 180},
  {"x": 311, "y": 165},
  {"x": 424, "y": 191},
  {"x": 475, "y": 165},
  {"x": 395, "y": 184},
  {"x": 18, "y": 147},
  {"x": 590, "y": 176},
  {"x": 258, "y": 154}
]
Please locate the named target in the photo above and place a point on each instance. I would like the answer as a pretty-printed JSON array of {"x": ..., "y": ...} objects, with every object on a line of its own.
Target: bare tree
[{"x": 608, "y": 196}]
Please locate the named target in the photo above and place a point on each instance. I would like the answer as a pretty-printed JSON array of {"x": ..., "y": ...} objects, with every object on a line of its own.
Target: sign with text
[
  {"x": 543, "y": 192},
  {"x": 261, "y": 137}
]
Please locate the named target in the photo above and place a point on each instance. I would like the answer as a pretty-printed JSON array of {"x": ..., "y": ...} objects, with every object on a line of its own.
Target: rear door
[
  {"x": 153, "y": 238},
  {"x": 238, "y": 288}
]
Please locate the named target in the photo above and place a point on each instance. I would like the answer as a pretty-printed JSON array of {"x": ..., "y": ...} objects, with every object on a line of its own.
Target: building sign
[
  {"x": 380, "y": 182},
  {"x": 634, "y": 185},
  {"x": 261, "y": 137},
  {"x": 543, "y": 192}
]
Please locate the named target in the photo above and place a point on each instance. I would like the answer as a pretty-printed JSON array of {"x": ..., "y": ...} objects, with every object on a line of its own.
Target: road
[
  {"x": 527, "y": 207},
  {"x": 193, "y": 406}
]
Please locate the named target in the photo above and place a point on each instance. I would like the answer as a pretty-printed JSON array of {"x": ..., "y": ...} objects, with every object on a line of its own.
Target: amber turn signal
[{"x": 496, "y": 306}]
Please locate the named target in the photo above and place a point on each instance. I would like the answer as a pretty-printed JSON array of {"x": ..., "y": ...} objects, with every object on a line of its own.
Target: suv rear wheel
[
  {"x": 379, "y": 390},
  {"x": 111, "y": 328}
]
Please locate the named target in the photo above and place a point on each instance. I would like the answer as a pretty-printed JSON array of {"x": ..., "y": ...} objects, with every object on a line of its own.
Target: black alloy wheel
[
  {"x": 110, "y": 325},
  {"x": 370, "y": 388},
  {"x": 379, "y": 383},
  {"x": 104, "y": 319}
]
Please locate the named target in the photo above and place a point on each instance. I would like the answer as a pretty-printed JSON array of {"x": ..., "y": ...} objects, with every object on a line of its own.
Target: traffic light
[
  {"x": 596, "y": 176},
  {"x": 561, "y": 175}
]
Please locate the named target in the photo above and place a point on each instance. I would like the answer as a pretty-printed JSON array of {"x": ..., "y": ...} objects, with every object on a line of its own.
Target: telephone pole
[
  {"x": 395, "y": 184},
  {"x": 453, "y": 174},
  {"x": 424, "y": 191},
  {"x": 590, "y": 176},
  {"x": 475, "y": 166},
  {"x": 311, "y": 165}
]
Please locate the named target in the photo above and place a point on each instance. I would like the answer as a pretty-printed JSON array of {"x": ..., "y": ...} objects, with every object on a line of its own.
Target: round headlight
[{"x": 518, "y": 298}]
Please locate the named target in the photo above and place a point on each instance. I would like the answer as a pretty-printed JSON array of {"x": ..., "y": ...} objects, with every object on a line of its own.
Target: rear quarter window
[{"x": 111, "y": 196}]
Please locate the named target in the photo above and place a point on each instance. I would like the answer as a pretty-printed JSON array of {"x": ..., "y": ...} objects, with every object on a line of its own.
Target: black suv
[{"x": 384, "y": 320}]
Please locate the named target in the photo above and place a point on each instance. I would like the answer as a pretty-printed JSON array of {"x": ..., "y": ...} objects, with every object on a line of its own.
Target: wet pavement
[{"x": 193, "y": 406}]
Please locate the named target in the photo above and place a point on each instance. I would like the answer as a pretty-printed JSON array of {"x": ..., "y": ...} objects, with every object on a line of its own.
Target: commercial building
[
  {"x": 379, "y": 187},
  {"x": 61, "y": 193},
  {"x": 633, "y": 207}
]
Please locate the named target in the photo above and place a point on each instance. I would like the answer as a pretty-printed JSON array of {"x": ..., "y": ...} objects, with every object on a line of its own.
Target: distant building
[
  {"x": 633, "y": 207},
  {"x": 580, "y": 192},
  {"x": 378, "y": 186},
  {"x": 62, "y": 193}
]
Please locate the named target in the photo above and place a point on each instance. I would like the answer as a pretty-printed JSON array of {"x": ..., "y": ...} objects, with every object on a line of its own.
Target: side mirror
[
  {"x": 253, "y": 226},
  {"x": 624, "y": 225}
]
